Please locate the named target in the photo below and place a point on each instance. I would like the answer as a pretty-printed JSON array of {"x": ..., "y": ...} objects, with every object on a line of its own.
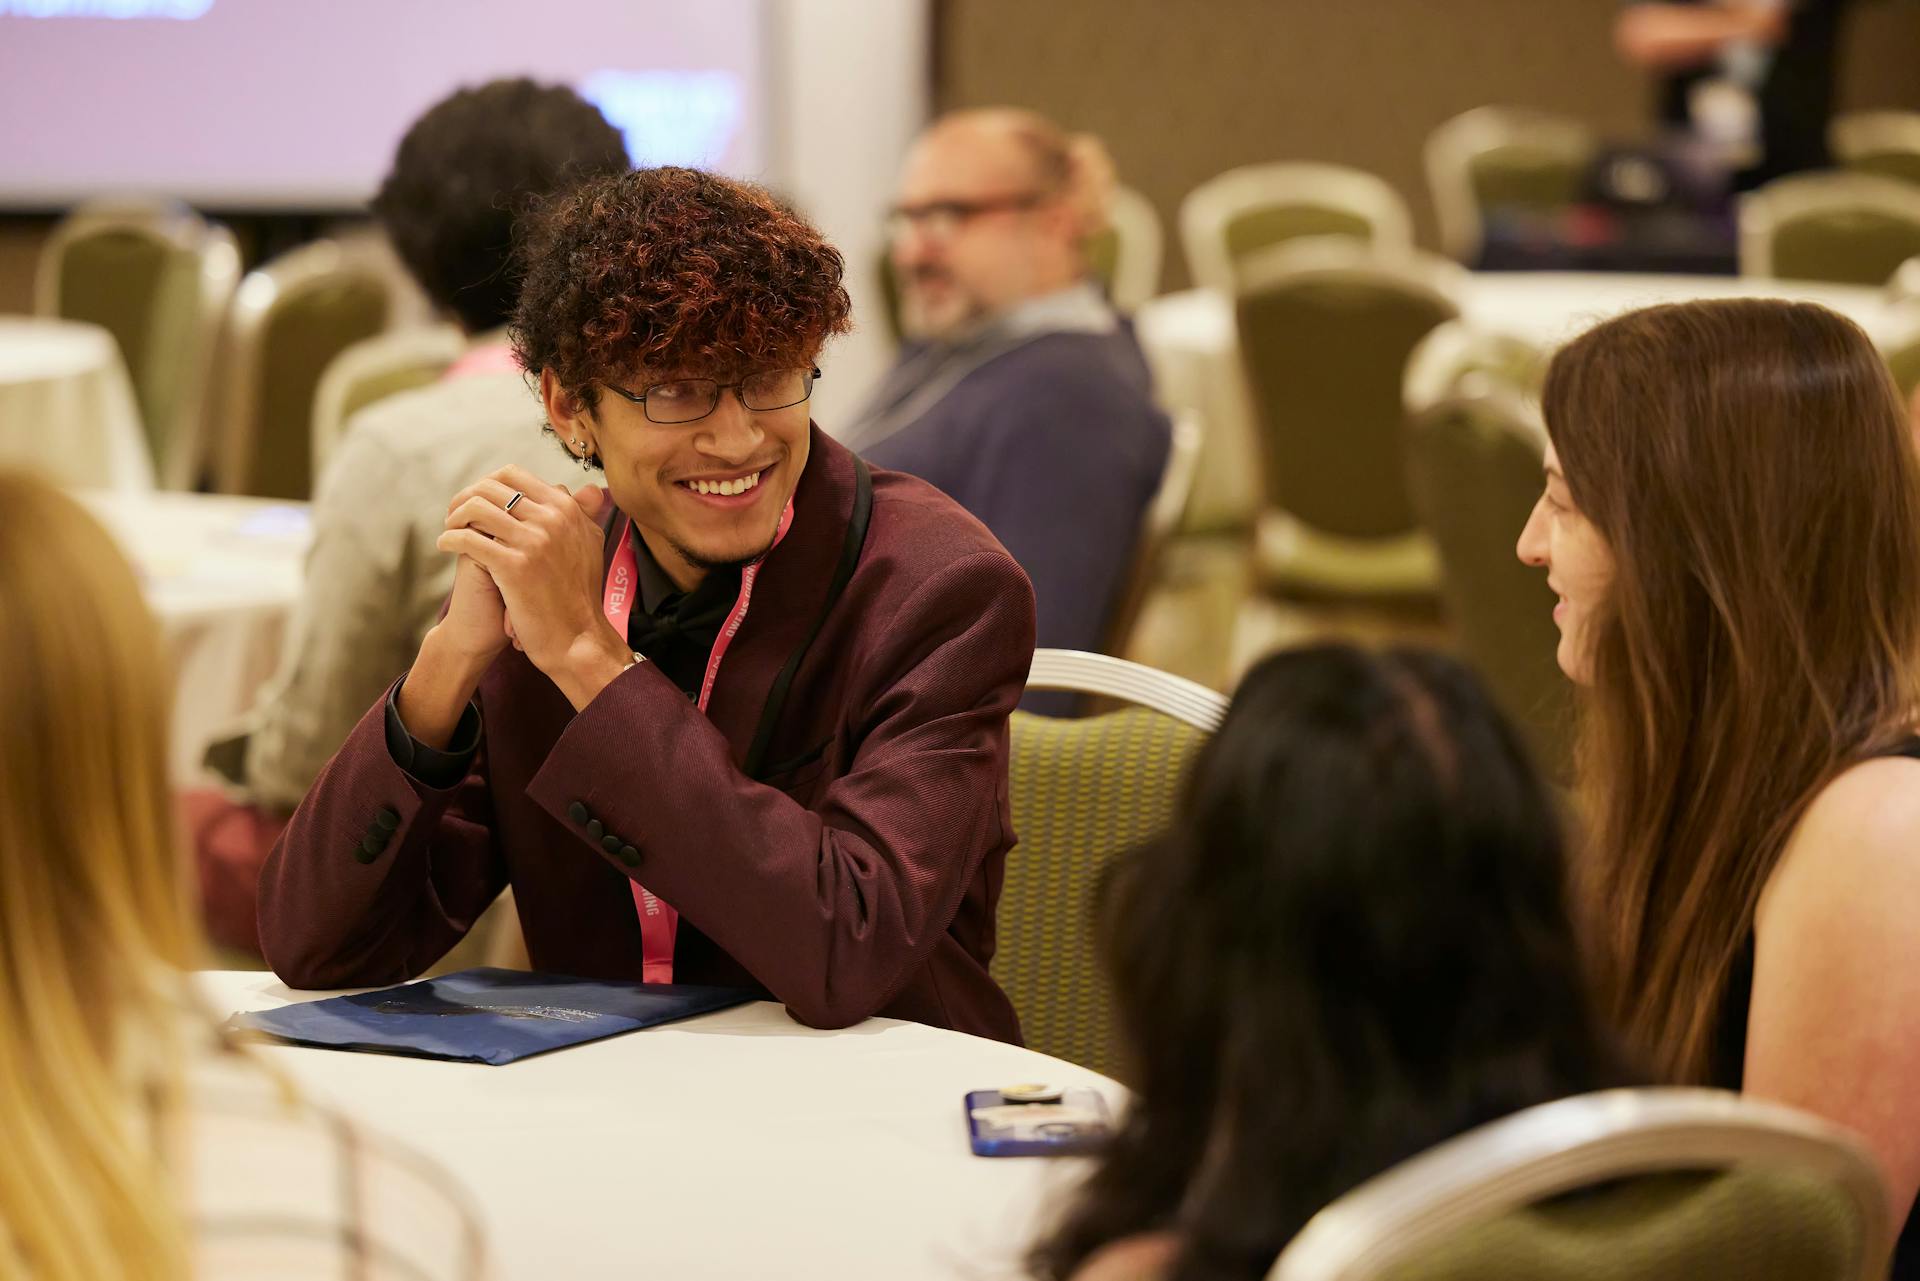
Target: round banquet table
[
  {"x": 222, "y": 576},
  {"x": 1191, "y": 346},
  {"x": 67, "y": 406},
  {"x": 737, "y": 1144}
]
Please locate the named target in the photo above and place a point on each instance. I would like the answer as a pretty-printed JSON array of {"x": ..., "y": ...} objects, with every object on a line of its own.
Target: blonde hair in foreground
[{"x": 95, "y": 921}]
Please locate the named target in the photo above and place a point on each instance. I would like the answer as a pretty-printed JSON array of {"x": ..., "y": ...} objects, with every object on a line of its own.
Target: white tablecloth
[
  {"x": 1190, "y": 344},
  {"x": 67, "y": 406},
  {"x": 222, "y": 575},
  {"x": 740, "y": 1144}
]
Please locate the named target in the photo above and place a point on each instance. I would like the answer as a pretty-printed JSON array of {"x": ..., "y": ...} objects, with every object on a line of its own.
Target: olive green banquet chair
[
  {"x": 1326, "y": 326},
  {"x": 1621, "y": 1185},
  {"x": 1886, "y": 143},
  {"x": 1498, "y": 157},
  {"x": 159, "y": 278},
  {"x": 1233, "y": 216},
  {"x": 1851, "y": 228},
  {"x": 289, "y": 319},
  {"x": 1900, "y": 347},
  {"x": 1158, "y": 526},
  {"x": 1474, "y": 446},
  {"x": 1084, "y": 792},
  {"x": 374, "y": 369}
]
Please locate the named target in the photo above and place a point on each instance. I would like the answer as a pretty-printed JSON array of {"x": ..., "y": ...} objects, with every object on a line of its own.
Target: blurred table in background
[
  {"x": 222, "y": 576},
  {"x": 1190, "y": 342},
  {"x": 67, "y": 406}
]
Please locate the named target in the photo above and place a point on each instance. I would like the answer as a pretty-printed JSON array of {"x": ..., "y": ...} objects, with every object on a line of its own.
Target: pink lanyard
[{"x": 659, "y": 922}]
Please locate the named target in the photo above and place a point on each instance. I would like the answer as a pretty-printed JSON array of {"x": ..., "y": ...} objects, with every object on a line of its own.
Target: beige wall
[{"x": 1181, "y": 91}]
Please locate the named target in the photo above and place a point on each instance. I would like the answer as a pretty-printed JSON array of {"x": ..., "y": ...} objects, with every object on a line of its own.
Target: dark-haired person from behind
[
  {"x": 1353, "y": 943},
  {"x": 1731, "y": 521},
  {"x": 374, "y": 584},
  {"x": 740, "y": 717}
]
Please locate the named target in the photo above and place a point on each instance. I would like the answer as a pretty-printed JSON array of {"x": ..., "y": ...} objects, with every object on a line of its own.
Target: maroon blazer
[{"x": 860, "y": 878}]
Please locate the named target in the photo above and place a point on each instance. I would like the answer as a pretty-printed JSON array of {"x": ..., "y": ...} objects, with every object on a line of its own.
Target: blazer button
[
  {"x": 378, "y": 838},
  {"x": 630, "y": 856},
  {"x": 596, "y": 829},
  {"x": 386, "y": 820},
  {"x": 578, "y": 812},
  {"x": 611, "y": 844},
  {"x": 368, "y": 850}
]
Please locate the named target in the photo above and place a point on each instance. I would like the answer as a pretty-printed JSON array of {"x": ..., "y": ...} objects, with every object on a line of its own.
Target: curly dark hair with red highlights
[{"x": 673, "y": 270}]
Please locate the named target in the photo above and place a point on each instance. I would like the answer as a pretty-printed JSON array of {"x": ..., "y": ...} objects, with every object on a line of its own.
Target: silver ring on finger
[{"x": 517, "y": 496}]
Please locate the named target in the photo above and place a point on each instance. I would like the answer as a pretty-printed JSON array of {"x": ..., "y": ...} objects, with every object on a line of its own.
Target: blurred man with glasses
[
  {"x": 738, "y": 718},
  {"x": 1019, "y": 392}
]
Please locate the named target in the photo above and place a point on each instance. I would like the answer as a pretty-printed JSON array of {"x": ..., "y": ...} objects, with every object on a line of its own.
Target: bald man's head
[{"x": 992, "y": 210}]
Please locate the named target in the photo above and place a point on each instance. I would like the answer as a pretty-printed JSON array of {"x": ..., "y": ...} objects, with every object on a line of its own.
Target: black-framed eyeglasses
[
  {"x": 686, "y": 400},
  {"x": 941, "y": 218}
]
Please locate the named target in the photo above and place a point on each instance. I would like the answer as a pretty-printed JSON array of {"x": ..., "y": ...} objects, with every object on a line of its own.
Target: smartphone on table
[{"x": 1037, "y": 1120}]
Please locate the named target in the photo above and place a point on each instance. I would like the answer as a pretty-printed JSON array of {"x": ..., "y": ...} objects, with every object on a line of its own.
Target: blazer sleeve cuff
[{"x": 433, "y": 767}]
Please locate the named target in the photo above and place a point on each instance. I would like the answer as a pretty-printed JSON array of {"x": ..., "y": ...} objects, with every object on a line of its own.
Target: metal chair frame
[
  {"x": 1451, "y": 148},
  {"x": 1764, "y": 211},
  {"x": 1573, "y": 1143},
  {"x": 1079, "y": 672},
  {"x": 180, "y": 230},
  {"x": 1209, "y": 208}
]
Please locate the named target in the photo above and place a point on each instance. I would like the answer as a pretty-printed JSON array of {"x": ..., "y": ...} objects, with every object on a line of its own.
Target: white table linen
[
  {"x": 222, "y": 576},
  {"x": 738, "y": 1144},
  {"x": 1191, "y": 344},
  {"x": 67, "y": 406}
]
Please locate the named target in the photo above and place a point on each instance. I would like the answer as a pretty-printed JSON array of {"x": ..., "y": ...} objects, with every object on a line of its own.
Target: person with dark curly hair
[
  {"x": 738, "y": 718},
  {"x": 374, "y": 583}
]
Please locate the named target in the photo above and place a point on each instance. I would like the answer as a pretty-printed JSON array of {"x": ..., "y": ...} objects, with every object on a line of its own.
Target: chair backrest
[
  {"x": 1853, "y": 228},
  {"x": 159, "y": 278},
  {"x": 1163, "y": 518},
  {"x": 1666, "y": 1183},
  {"x": 1128, "y": 253},
  {"x": 1235, "y": 215},
  {"x": 373, "y": 369},
  {"x": 1899, "y": 346},
  {"x": 289, "y": 320},
  {"x": 1084, "y": 792},
  {"x": 1326, "y": 327},
  {"x": 1473, "y": 467},
  {"x": 1502, "y": 157},
  {"x": 1886, "y": 143}
]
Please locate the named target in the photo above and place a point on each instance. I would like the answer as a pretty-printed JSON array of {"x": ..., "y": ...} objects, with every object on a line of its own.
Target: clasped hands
[{"x": 531, "y": 578}]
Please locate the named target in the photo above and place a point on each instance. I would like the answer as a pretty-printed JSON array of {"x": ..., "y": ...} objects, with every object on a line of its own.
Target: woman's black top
[{"x": 1730, "y": 1058}]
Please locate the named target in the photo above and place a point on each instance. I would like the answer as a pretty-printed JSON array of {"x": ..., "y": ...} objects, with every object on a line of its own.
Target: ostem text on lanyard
[{"x": 659, "y": 922}]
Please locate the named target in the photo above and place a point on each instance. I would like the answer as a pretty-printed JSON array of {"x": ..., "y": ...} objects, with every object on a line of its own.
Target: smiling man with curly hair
[{"x": 738, "y": 718}]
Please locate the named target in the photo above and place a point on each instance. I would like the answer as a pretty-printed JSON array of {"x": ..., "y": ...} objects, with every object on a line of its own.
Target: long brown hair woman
[{"x": 1732, "y": 523}]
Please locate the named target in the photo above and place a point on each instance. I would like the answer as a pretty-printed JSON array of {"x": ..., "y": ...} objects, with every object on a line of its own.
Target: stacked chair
[
  {"x": 1850, "y": 228},
  {"x": 1326, "y": 325},
  {"x": 1084, "y": 793},
  {"x": 1228, "y": 219},
  {"x": 1885, "y": 143},
  {"x": 159, "y": 278},
  {"x": 1623, "y": 1185},
  {"x": 1502, "y": 158},
  {"x": 1473, "y": 449},
  {"x": 290, "y": 319}
]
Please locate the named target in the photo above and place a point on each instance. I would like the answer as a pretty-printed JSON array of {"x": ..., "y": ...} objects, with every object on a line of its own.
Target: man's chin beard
[{"x": 708, "y": 564}]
